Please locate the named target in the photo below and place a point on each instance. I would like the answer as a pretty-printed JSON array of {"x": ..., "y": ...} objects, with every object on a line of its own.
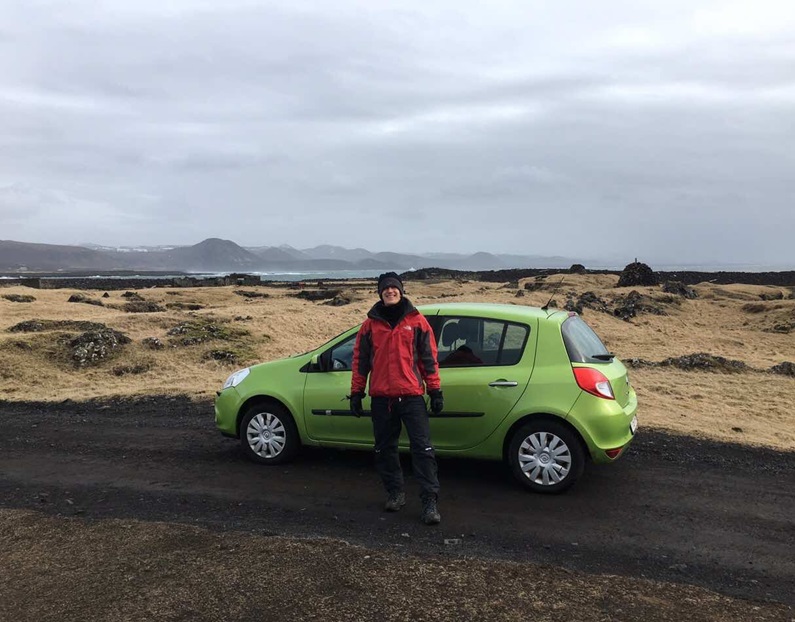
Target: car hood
[{"x": 288, "y": 363}]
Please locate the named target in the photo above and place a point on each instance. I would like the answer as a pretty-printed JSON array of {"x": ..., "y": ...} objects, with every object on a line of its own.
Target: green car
[{"x": 533, "y": 387}]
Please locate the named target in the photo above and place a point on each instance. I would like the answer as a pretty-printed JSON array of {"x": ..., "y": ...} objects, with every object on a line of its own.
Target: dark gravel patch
[{"x": 681, "y": 510}]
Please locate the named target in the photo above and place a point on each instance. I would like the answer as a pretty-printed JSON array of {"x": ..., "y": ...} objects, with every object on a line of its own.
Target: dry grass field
[
  {"x": 206, "y": 333},
  {"x": 71, "y": 567}
]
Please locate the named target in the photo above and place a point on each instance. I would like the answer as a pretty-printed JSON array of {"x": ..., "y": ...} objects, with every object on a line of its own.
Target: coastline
[{"x": 115, "y": 280}]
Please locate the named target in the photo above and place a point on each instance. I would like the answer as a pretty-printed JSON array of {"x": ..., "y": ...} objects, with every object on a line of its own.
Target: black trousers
[{"x": 387, "y": 415}]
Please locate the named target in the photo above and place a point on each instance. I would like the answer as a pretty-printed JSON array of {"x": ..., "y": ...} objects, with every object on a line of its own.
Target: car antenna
[{"x": 554, "y": 291}]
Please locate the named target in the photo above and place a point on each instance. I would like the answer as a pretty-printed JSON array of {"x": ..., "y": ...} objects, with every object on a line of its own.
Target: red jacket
[{"x": 400, "y": 361}]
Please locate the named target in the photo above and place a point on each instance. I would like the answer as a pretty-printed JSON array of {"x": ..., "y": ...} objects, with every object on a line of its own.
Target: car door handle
[{"x": 503, "y": 383}]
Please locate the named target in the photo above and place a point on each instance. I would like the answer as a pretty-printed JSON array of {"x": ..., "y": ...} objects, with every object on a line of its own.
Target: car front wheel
[
  {"x": 546, "y": 456},
  {"x": 268, "y": 434}
]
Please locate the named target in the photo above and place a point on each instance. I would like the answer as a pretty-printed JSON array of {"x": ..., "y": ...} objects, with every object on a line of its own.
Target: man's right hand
[
  {"x": 437, "y": 401},
  {"x": 356, "y": 404}
]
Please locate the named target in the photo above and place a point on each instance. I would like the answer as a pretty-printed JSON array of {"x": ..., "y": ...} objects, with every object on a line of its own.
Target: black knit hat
[{"x": 389, "y": 279}]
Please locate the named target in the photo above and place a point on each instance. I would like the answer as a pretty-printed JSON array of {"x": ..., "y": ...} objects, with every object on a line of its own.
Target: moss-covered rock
[
  {"x": 203, "y": 330},
  {"x": 38, "y": 326},
  {"x": 19, "y": 298},
  {"x": 93, "y": 347},
  {"x": 142, "y": 306}
]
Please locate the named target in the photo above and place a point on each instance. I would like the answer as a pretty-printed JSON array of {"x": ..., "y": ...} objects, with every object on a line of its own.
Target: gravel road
[{"x": 675, "y": 509}]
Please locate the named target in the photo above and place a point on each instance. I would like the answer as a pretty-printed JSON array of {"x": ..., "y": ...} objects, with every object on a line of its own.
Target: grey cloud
[{"x": 616, "y": 130}]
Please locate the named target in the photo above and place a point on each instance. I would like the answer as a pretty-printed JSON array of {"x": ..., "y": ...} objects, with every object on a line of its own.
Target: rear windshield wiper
[{"x": 604, "y": 357}]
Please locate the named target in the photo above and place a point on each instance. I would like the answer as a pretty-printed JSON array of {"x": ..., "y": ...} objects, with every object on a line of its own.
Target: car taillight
[{"x": 594, "y": 382}]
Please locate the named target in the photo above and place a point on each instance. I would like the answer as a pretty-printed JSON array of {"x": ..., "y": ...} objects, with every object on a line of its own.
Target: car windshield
[{"x": 582, "y": 344}]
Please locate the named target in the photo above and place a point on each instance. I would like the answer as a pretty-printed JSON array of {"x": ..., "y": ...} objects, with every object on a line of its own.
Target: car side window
[
  {"x": 340, "y": 357},
  {"x": 513, "y": 344},
  {"x": 476, "y": 342}
]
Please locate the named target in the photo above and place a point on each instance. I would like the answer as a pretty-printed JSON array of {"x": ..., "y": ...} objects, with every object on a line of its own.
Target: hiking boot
[
  {"x": 430, "y": 513},
  {"x": 395, "y": 501}
]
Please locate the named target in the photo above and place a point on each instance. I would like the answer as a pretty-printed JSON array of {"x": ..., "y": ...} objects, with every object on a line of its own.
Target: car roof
[{"x": 515, "y": 313}]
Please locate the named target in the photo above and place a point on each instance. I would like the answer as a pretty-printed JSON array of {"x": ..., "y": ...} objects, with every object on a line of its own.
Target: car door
[
  {"x": 327, "y": 409},
  {"x": 484, "y": 365}
]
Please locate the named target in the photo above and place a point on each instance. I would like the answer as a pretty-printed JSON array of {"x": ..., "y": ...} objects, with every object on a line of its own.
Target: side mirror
[{"x": 314, "y": 363}]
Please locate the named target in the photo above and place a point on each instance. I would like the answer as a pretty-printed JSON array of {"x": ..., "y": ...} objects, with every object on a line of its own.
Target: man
[{"x": 396, "y": 348}]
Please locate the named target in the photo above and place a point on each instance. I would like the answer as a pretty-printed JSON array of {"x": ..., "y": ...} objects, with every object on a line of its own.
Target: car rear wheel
[
  {"x": 268, "y": 434},
  {"x": 546, "y": 456}
]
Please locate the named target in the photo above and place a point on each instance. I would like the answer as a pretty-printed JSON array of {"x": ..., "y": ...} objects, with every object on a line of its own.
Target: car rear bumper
[{"x": 604, "y": 425}]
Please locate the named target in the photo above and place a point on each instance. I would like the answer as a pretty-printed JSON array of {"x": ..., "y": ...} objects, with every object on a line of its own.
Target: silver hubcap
[
  {"x": 544, "y": 458},
  {"x": 266, "y": 435}
]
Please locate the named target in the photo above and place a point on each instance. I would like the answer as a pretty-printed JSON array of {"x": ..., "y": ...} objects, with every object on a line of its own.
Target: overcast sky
[{"x": 611, "y": 129}]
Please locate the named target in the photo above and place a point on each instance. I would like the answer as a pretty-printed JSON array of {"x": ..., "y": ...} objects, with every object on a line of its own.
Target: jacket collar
[{"x": 375, "y": 312}]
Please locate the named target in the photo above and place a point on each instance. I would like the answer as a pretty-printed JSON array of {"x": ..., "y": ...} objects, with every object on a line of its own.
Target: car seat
[{"x": 466, "y": 331}]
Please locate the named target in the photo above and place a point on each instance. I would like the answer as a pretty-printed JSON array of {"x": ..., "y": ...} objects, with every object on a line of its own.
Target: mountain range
[{"x": 216, "y": 255}]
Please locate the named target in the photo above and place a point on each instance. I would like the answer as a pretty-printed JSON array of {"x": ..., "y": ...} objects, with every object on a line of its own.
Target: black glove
[
  {"x": 437, "y": 401},
  {"x": 356, "y": 404}
]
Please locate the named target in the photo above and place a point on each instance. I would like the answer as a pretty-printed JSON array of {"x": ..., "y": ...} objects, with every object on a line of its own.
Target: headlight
[{"x": 236, "y": 378}]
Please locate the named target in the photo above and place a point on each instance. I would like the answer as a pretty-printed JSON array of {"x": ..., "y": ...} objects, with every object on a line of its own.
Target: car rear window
[{"x": 582, "y": 344}]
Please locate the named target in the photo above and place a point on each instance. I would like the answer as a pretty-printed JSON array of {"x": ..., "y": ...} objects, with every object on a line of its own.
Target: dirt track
[{"x": 675, "y": 509}]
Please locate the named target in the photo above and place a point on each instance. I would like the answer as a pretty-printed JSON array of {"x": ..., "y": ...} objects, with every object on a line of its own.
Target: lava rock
[
  {"x": 37, "y": 326},
  {"x": 629, "y": 306},
  {"x": 339, "y": 301},
  {"x": 573, "y": 306},
  {"x": 638, "y": 274},
  {"x": 785, "y": 369},
  {"x": 93, "y": 347},
  {"x": 250, "y": 294},
  {"x": 153, "y": 343},
  {"x": 142, "y": 306},
  {"x": 223, "y": 356},
  {"x": 124, "y": 370},
  {"x": 184, "y": 306},
  {"x": 680, "y": 289},
  {"x": 705, "y": 362},
  {"x": 19, "y": 298},
  {"x": 316, "y": 295},
  {"x": 588, "y": 300},
  {"x": 85, "y": 299}
]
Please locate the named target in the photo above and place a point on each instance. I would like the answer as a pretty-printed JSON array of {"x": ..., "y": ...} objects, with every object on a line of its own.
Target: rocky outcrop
[
  {"x": 637, "y": 274},
  {"x": 678, "y": 288},
  {"x": 246, "y": 293},
  {"x": 785, "y": 369},
  {"x": 588, "y": 300},
  {"x": 38, "y": 326},
  {"x": 142, "y": 306},
  {"x": 317, "y": 295},
  {"x": 93, "y": 347},
  {"x": 85, "y": 299},
  {"x": 633, "y": 304},
  {"x": 699, "y": 361},
  {"x": 128, "y": 283},
  {"x": 152, "y": 343},
  {"x": 339, "y": 300},
  {"x": 19, "y": 298}
]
